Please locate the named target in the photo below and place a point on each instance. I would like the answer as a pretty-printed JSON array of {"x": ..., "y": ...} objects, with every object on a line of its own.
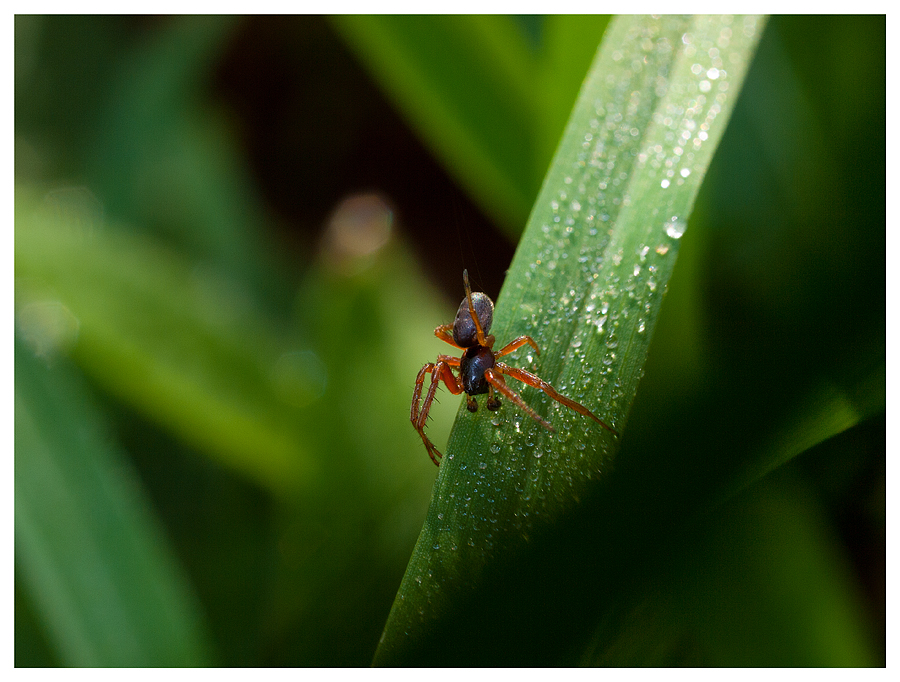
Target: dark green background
[{"x": 228, "y": 143}]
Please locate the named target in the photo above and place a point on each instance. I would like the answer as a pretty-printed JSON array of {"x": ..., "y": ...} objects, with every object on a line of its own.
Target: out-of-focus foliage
[
  {"x": 89, "y": 549},
  {"x": 223, "y": 295}
]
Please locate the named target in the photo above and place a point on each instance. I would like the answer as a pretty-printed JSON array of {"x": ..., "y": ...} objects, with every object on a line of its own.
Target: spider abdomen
[{"x": 473, "y": 364}]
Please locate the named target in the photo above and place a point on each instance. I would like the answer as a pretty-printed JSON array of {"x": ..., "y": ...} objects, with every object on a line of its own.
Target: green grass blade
[
  {"x": 463, "y": 82},
  {"x": 568, "y": 47},
  {"x": 764, "y": 581},
  {"x": 88, "y": 546},
  {"x": 161, "y": 158},
  {"x": 587, "y": 284},
  {"x": 775, "y": 554},
  {"x": 182, "y": 344},
  {"x": 826, "y": 412}
]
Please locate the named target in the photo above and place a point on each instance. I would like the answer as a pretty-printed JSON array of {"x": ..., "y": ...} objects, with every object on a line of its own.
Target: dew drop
[{"x": 675, "y": 228}]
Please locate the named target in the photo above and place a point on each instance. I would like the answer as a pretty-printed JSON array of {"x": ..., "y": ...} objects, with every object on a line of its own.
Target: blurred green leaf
[
  {"x": 490, "y": 105},
  {"x": 165, "y": 159},
  {"x": 88, "y": 546},
  {"x": 587, "y": 283},
  {"x": 568, "y": 46},
  {"x": 179, "y": 341},
  {"x": 774, "y": 555},
  {"x": 826, "y": 412},
  {"x": 762, "y": 581},
  {"x": 465, "y": 84}
]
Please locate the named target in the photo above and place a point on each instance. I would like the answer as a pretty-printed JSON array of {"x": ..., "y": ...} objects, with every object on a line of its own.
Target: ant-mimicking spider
[{"x": 478, "y": 369}]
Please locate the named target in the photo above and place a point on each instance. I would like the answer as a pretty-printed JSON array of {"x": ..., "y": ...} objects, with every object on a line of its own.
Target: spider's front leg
[
  {"x": 445, "y": 334},
  {"x": 418, "y": 413},
  {"x": 515, "y": 344}
]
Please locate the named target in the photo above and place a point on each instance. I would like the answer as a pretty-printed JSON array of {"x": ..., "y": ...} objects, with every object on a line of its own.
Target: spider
[{"x": 478, "y": 369}]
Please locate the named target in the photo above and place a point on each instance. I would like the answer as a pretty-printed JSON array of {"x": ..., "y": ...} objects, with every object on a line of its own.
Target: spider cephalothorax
[{"x": 478, "y": 370}]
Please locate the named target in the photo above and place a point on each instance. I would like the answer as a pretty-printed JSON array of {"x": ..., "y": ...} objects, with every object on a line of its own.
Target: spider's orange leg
[
  {"x": 445, "y": 334},
  {"x": 493, "y": 402},
  {"x": 515, "y": 344},
  {"x": 533, "y": 380},
  {"x": 440, "y": 371},
  {"x": 496, "y": 380}
]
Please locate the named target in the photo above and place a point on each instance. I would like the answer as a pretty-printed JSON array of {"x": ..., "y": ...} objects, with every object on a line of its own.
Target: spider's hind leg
[
  {"x": 495, "y": 379},
  {"x": 533, "y": 380}
]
